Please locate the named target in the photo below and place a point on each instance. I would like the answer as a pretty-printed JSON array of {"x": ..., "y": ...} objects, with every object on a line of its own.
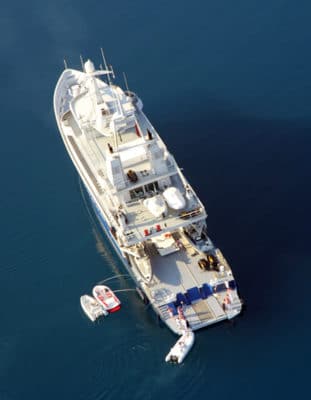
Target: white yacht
[{"x": 144, "y": 204}]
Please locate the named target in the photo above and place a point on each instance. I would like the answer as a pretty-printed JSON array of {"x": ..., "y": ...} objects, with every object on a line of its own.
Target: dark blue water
[{"x": 227, "y": 85}]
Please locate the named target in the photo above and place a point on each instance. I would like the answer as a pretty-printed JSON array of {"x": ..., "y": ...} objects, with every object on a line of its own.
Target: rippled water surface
[{"x": 227, "y": 85}]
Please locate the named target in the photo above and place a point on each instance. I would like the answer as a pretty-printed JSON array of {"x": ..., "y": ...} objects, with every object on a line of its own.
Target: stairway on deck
[{"x": 164, "y": 312}]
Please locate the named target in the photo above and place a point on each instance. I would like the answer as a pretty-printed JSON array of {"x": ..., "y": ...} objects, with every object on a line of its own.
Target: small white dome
[{"x": 89, "y": 67}]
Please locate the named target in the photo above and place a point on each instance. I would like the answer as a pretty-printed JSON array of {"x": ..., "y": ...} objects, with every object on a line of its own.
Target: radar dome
[{"x": 89, "y": 67}]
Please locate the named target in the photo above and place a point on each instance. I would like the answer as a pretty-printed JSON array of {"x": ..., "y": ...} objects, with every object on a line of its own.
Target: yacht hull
[{"x": 88, "y": 111}]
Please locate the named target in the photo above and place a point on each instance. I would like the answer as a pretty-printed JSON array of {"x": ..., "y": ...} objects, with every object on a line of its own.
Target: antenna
[
  {"x": 82, "y": 62},
  {"x": 125, "y": 81},
  {"x": 105, "y": 64},
  {"x": 65, "y": 64},
  {"x": 111, "y": 69}
]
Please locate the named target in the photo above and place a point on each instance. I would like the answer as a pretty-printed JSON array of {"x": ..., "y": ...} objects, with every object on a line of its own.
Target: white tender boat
[
  {"x": 144, "y": 204},
  {"x": 91, "y": 307},
  {"x": 181, "y": 348},
  {"x": 107, "y": 299}
]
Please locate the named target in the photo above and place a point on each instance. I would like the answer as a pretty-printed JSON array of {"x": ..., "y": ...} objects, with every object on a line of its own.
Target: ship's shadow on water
[
  {"x": 253, "y": 177},
  {"x": 102, "y": 244}
]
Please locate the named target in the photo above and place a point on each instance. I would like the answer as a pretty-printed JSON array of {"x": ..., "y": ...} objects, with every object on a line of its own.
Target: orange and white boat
[{"x": 106, "y": 298}]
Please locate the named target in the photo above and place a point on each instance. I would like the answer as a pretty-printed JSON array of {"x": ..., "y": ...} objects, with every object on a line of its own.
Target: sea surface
[{"x": 228, "y": 86}]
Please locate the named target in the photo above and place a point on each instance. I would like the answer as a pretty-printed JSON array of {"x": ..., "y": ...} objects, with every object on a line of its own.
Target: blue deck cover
[
  {"x": 232, "y": 285},
  {"x": 181, "y": 298},
  {"x": 206, "y": 290},
  {"x": 220, "y": 288},
  {"x": 194, "y": 294}
]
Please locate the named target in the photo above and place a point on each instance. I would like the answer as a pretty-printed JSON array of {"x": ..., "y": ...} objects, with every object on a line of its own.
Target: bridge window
[
  {"x": 137, "y": 193},
  {"x": 152, "y": 187}
]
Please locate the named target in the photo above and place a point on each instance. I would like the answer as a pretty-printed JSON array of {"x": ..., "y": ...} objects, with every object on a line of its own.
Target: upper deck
[{"x": 109, "y": 138}]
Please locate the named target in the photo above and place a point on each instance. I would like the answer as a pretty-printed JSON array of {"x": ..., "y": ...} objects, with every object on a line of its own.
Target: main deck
[{"x": 178, "y": 280}]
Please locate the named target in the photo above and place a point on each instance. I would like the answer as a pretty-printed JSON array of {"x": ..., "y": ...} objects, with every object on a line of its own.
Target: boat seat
[
  {"x": 181, "y": 298},
  {"x": 206, "y": 290},
  {"x": 220, "y": 288},
  {"x": 232, "y": 285},
  {"x": 194, "y": 294}
]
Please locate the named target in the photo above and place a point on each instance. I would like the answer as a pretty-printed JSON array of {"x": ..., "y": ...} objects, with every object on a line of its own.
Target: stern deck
[{"x": 179, "y": 274}]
